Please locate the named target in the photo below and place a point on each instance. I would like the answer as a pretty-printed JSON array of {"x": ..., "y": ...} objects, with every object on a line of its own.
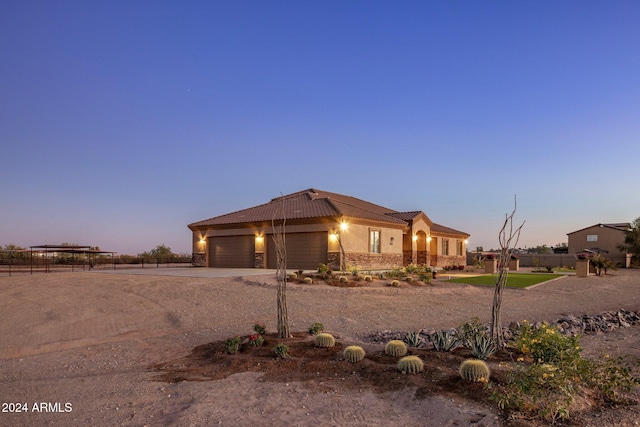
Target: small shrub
[
  {"x": 281, "y": 350},
  {"x": 299, "y": 272},
  {"x": 354, "y": 271},
  {"x": 256, "y": 340},
  {"x": 546, "y": 344},
  {"x": 323, "y": 269},
  {"x": 232, "y": 345},
  {"x": 260, "y": 328},
  {"x": 443, "y": 341},
  {"x": 425, "y": 277},
  {"x": 324, "y": 340},
  {"x": 316, "y": 328},
  {"x": 474, "y": 370},
  {"x": 395, "y": 348},
  {"x": 353, "y": 354},
  {"x": 410, "y": 365},
  {"x": 468, "y": 331},
  {"x": 308, "y": 280},
  {"x": 395, "y": 283},
  {"x": 413, "y": 339}
]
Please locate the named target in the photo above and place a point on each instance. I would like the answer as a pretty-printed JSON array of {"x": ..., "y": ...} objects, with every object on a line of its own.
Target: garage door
[
  {"x": 304, "y": 250},
  {"x": 232, "y": 251}
]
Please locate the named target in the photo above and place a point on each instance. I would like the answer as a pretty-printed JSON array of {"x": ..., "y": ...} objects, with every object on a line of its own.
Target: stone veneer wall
[
  {"x": 448, "y": 260},
  {"x": 258, "y": 260},
  {"x": 368, "y": 261},
  {"x": 333, "y": 261},
  {"x": 199, "y": 259}
]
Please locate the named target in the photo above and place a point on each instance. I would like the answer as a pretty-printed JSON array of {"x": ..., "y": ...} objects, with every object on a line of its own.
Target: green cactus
[
  {"x": 474, "y": 370},
  {"x": 343, "y": 279},
  {"x": 292, "y": 276},
  {"x": 395, "y": 283},
  {"x": 409, "y": 279},
  {"x": 410, "y": 365},
  {"x": 353, "y": 354},
  {"x": 368, "y": 278},
  {"x": 324, "y": 340},
  {"x": 308, "y": 280},
  {"x": 395, "y": 348}
]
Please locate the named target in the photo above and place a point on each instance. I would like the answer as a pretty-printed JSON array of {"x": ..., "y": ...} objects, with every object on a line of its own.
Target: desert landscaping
[{"x": 103, "y": 349}]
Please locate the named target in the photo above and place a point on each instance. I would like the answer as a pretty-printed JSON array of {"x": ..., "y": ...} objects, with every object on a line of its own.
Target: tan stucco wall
[{"x": 356, "y": 239}]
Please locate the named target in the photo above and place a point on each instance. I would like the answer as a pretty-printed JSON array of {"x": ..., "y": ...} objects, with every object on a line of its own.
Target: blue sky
[{"x": 123, "y": 121}]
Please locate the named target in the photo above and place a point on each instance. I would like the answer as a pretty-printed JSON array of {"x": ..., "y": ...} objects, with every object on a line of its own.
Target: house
[
  {"x": 602, "y": 239},
  {"x": 327, "y": 228}
]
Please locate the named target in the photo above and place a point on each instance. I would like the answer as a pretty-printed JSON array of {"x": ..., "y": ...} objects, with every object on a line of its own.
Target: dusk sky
[{"x": 123, "y": 121}]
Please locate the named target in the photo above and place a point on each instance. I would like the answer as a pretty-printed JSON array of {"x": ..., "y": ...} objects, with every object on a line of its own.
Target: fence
[{"x": 551, "y": 260}]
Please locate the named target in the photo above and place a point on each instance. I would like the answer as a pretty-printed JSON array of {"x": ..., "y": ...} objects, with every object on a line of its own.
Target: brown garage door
[
  {"x": 232, "y": 251},
  {"x": 304, "y": 250}
]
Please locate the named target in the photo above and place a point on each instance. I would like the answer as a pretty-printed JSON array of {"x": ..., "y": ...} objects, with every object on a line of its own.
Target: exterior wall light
[
  {"x": 429, "y": 239},
  {"x": 466, "y": 241},
  {"x": 259, "y": 239},
  {"x": 391, "y": 241},
  {"x": 203, "y": 240},
  {"x": 344, "y": 226},
  {"x": 333, "y": 237},
  {"x": 415, "y": 237}
]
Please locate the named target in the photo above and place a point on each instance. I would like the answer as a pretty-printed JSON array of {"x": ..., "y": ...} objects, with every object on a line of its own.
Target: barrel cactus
[
  {"x": 353, "y": 354},
  {"x": 368, "y": 278},
  {"x": 343, "y": 279},
  {"x": 395, "y": 348},
  {"x": 474, "y": 370},
  {"x": 292, "y": 276},
  {"x": 395, "y": 283},
  {"x": 324, "y": 340},
  {"x": 410, "y": 365},
  {"x": 308, "y": 280}
]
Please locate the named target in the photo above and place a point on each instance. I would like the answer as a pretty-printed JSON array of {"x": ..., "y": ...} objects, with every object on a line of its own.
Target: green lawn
[{"x": 514, "y": 280}]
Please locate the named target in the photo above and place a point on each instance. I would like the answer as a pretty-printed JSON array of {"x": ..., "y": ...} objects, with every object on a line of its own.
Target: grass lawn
[{"x": 514, "y": 280}]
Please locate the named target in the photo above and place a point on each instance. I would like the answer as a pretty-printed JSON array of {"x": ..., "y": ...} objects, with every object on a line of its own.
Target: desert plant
[
  {"x": 410, "y": 365},
  {"x": 259, "y": 328},
  {"x": 395, "y": 348},
  {"x": 256, "y": 340},
  {"x": 482, "y": 347},
  {"x": 354, "y": 271},
  {"x": 469, "y": 330},
  {"x": 368, "y": 278},
  {"x": 395, "y": 272},
  {"x": 308, "y": 280},
  {"x": 443, "y": 341},
  {"x": 413, "y": 339},
  {"x": 353, "y": 354},
  {"x": 324, "y": 340},
  {"x": 474, "y": 370},
  {"x": 232, "y": 345},
  {"x": 323, "y": 269},
  {"x": 281, "y": 350},
  {"x": 343, "y": 279},
  {"x": 316, "y": 328},
  {"x": 292, "y": 276},
  {"x": 395, "y": 283},
  {"x": 425, "y": 277},
  {"x": 409, "y": 279}
]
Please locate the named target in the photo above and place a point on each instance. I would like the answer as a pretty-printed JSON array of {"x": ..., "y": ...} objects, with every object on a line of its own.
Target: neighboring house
[
  {"x": 601, "y": 239},
  {"x": 327, "y": 228}
]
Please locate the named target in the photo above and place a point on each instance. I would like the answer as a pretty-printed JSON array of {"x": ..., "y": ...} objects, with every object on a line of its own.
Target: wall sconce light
[
  {"x": 259, "y": 239},
  {"x": 202, "y": 240},
  {"x": 391, "y": 241},
  {"x": 466, "y": 241},
  {"x": 429, "y": 239},
  {"x": 333, "y": 237},
  {"x": 415, "y": 237},
  {"x": 344, "y": 226}
]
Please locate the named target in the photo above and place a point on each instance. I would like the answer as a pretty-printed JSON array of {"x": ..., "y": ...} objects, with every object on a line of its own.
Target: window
[
  {"x": 460, "y": 247},
  {"x": 592, "y": 237},
  {"x": 445, "y": 246},
  {"x": 374, "y": 241}
]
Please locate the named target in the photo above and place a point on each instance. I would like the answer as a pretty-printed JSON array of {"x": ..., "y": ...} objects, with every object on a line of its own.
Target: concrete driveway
[{"x": 189, "y": 271}]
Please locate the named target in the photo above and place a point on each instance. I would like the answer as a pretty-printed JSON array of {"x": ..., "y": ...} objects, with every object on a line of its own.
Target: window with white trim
[
  {"x": 374, "y": 241},
  {"x": 592, "y": 237},
  {"x": 445, "y": 246}
]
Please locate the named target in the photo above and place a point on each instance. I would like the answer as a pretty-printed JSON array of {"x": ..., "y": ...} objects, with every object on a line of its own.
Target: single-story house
[
  {"x": 602, "y": 239},
  {"x": 327, "y": 228}
]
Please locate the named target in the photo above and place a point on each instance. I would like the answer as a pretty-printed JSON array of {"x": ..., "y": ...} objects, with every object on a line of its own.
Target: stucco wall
[{"x": 608, "y": 239}]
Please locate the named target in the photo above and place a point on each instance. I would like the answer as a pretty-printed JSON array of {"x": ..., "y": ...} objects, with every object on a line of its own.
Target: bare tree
[
  {"x": 281, "y": 273},
  {"x": 508, "y": 238}
]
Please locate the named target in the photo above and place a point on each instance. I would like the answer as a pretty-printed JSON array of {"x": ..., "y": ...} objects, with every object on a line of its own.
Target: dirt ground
[{"x": 88, "y": 348}]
